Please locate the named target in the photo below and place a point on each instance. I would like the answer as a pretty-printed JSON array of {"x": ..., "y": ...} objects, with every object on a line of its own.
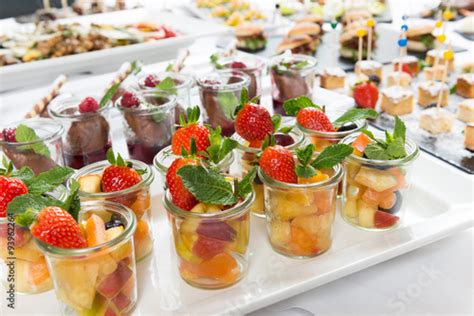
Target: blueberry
[
  {"x": 284, "y": 139},
  {"x": 396, "y": 207},
  {"x": 375, "y": 79},
  {"x": 349, "y": 126},
  {"x": 114, "y": 222}
]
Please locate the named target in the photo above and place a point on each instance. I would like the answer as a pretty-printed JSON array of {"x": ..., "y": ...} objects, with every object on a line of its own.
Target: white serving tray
[{"x": 27, "y": 74}]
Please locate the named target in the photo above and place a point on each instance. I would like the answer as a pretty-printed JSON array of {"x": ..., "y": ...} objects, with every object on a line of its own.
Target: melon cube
[
  {"x": 280, "y": 233},
  {"x": 378, "y": 180},
  {"x": 90, "y": 183},
  {"x": 366, "y": 214}
]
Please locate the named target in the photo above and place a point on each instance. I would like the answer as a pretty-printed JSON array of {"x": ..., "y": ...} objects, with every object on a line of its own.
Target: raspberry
[
  {"x": 88, "y": 105},
  {"x": 9, "y": 134},
  {"x": 151, "y": 81},
  {"x": 129, "y": 100},
  {"x": 238, "y": 65}
]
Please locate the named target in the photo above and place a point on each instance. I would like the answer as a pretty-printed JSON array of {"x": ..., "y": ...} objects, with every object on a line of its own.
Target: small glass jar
[
  {"x": 137, "y": 198},
  {"x": 252, "y": 66},
  {"x": 87, "y": 135},
  {"x": 149, "y": 127},
  {"x": 40, "y": 155},
  {"x": 99, "y": 280},
  {"x": 300, "y": 217},
  {"x": 374, "y": 190},
  {"x": 220, "y": 95},
  {"x": 291, "y": 82},
  {"x": 247, "y": 157},
  {"x": 165, "y": 158},
  {"x": 182, "y": 88},
  {"x": 212, "y": 248}
]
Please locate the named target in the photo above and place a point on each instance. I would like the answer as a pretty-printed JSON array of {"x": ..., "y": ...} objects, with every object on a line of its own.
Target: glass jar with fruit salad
[
  {"x": 87, "y": 132},
  {"x": 292, "y": 76},
  {"x": 100, "y": 278},
  {"x": 251, "y": 65},
  {"x": 248, "y": 158},
  {"x": 375, "y": 189},
  {"x": 220, "y": 94},
  {"x": 136, "y": 197},
  {"x": 172, "y": 83},
  {"x": 34, "y": 143},
  {"x": 148, "y": 121}
]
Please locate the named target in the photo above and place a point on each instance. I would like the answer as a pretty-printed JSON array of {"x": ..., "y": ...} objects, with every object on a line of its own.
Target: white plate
[{"x": 25, "y": 74}]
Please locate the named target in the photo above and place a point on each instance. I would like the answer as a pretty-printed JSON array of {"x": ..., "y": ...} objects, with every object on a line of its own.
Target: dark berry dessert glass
[
  {"x": 34, "y": 143},
  {"x": 137, "y": 198},
  {"x": 252, "y": 66},
  {"x": 181, "y": 88},
  {"x": 292, "y": 76},
  {"x": 220, "y": 95},
  {"x": 247, "y": 158},
  {"x": 87, "y": 135},
  {"x": 149, "y": 126},
  {"x": 375, "y": 190}
]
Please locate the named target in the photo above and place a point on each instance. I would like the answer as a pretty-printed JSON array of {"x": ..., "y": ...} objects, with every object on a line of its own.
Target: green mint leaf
[
  {"x": 136, "y": 67},
  {"x": 354, "y": 115},
  {"x": 49, "y": 180},
  {"x": 167, "y": 85},
  {"x": 245, "y": 186},
  {"x": 305, "y": 171},
  {"x": 396, "y": 149},
  {"x": 228, "y": 102},
  {"x": 27, "y": 134},
  {"x": 228, "y": 145},
  {"x": 293, "y": 106},
  {"x": 111, "y": 156},
  {"x": 244, "y": 96},
  {"x": 305, "y": 155},
  {"x": 376, "y": 152},
  {"x": 73, "y": 203},
  {"x": 331, "y": 156},
  {"x": 300, "y": 65},
  {"x": 169, "y": 67},
  {"x": 27, "y": 206},
  {"x": 109, "y": 94},
  {"x": 276, "y": 121},
  {"x": 207, "y": 185},
  {"x": 372, "y": 137},
  {"x": 388, "y": 137},
  {"x": 400, "y": 129},
  {"x": 25, "y": 174},
  {"x": 453, "y": 89},
  {"x": 286, "y": 129}
]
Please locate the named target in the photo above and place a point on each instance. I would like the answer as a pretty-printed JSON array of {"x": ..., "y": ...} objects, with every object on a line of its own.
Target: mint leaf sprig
[
  {"x": 25, "y": 134},
  {"x": 167, "y": 85},
  {"x": 354, "y": 115},
  {"x": 293, "y": 106},
  {"x": 214, "y": 58},
  {"x": 220, "y": 146},
  {"x": 393, "y": 147},
  {"x": 308, "y": 167},
  {"x": 109, "y": 95}
]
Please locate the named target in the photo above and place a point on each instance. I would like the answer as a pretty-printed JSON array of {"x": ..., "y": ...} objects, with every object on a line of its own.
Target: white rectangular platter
[{"x": 27, "y": 74}]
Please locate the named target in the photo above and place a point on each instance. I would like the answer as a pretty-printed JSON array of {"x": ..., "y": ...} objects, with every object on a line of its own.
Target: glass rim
[
  {"x": 168, "y": 105},
  {"x": 56, "y": 134},
  {"x": 186, "y": 80},
  {"x": 240, "y": 146},
  {"x": 73, "y": 99},
  {"x": 127, "y": 234},
  {"x": 411, "y": 147},
  {"x": 234, "y": 211},
  {"x": 361, "y": 124},
  {"x": 275, "y": 61},
  {"x": 332, "y": 180},
  {"x": 165, "y": 152},
  {"x": 259, "y": 63},
  {"x": 147, "y": 179},
  {"x": 244, "y": 80}
]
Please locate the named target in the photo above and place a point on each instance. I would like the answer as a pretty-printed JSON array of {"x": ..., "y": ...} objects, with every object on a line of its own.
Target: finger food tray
[
  {"x": 440, "y": 204},
  {"x": 188, "y": 29}
]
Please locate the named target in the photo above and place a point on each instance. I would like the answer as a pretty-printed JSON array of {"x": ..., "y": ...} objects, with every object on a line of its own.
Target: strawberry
[
  {"x": 190, "y": 129},
  {"x": 58, "y": 228},
  {"x": 9, "y": 189},
  {"x": 314, "y": 119},
  {"x": 253, "y": 122},
  {"x": 119, "y": 176},
  {"x": 278, "y": 163},
  {"x": 88, "y": 105},
  {"x": 366, "y": 95},
  {"x": 181, "y": 197}
]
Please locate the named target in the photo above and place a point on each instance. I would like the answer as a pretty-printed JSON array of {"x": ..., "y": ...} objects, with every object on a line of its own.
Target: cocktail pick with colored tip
[
  {"x": 360, "y": 34},
  {"x": 448, "y": 55},
  {"x": 370, "y": 25}
]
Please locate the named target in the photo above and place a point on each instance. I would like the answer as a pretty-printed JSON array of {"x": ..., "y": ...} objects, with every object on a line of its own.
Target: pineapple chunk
[
  {"x": 90, "y": 183},
  {"x": 350, "y": 208},
  {"x": 366, "y": 214},
  {"x": 375, "y": 179},
  {"x": 280, "y": 233},
  {"x": 287, "y": 206}
]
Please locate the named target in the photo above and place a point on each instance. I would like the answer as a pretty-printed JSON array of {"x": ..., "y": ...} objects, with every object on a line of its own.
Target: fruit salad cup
[
  {"x": 211, "y": 243},
  {"x": 137, "y": 198},
  {"x": 180, "y": 88},
  {"x": 300, "y": 216},
  {"x": 220, "y": 95},
  {"x": 99, "y": 280},
  {"x": 166, "y": 157},
  {"x": 34, "y": 143},
  {"x": 247, "y": 157},
  {"x": 374, "y": 190},
  {"x": 87, "y": 135},
  {"x": 292, "y": 76},
  {"x": 252, "y": 66},
  {"x": 148, "y": 126}
]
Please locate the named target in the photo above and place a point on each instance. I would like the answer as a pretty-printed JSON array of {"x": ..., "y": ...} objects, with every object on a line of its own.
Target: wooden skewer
[
  {"x": 443, "y": 78},
  {"x": 46, "y": 4},
  {"x": 179, "y": 64},
  {"x": 42, "y": 104}
]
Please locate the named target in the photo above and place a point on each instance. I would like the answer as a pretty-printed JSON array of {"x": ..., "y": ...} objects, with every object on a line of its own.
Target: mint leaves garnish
[
  {"x": 167, "y": 85},
  {"x": 228, "y": 103},
  {"x": 293, "y": 106},
  {"x": 109, "y": 94},
  {"x": 46, "y": 181},
  {"x": 25, "y": 134},
  {"x": 219, "y": 147},
  {"x": 215, "y": 61},
  {"x": 354, "y": 115},
  {"x": 211, "y": 187},
  {"x": 329, "y": 157},
  {"x": 392, "y": 148}
]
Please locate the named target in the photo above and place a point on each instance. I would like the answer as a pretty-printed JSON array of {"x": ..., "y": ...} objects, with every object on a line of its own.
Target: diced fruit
[
  {"x": 206, "y": 208},
  {"x": 28, "y": 252},
  {"x": 379, "y": 180},
  {"x": 107, "y": 265},
  {"x": 353, "y": 192},
  {"x": 32, "y": 276},
  {"x": 142, "y": 203},
  {"x": 373, "y": 197},
  {"x": 222, "y": 267},
  {"x": 350, "y": 208},
  {"x": 189, "y": 226},
  {"x": 302, "y": 244},
  {"x": 207, "y": 248},
  {"x": 388, "y": 201},
  {"x": 184, "y": 251},
  {"x": 361, "y": 142},
  {"x": 113, "y": 232},
  {"x": 366, "y": 95},
  {"x": 309, "y": 223},
  {"x": 384, "y": 220},
  {"x": 319, "y": 177},
  {"x": 121, "y": 301},
  {"x": 38, "y": 272},
  {"x": 398, "y": 174},
  {"x": 352, "y": 169},
  {"x": 366, "y": 214},
  {"x": 324, "y": 201},
  {"x": 287, "y": 206},
  {"x": 124, "y": 250},
  {"x": 90, "y": 183},
  {"x": 216, "y": 230},
  {"x": 95, "y": 231},
  {"x": 280, "y": 233},
  {"x": 114, "y": 282},
  {"x": 397, "y": 204}
]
